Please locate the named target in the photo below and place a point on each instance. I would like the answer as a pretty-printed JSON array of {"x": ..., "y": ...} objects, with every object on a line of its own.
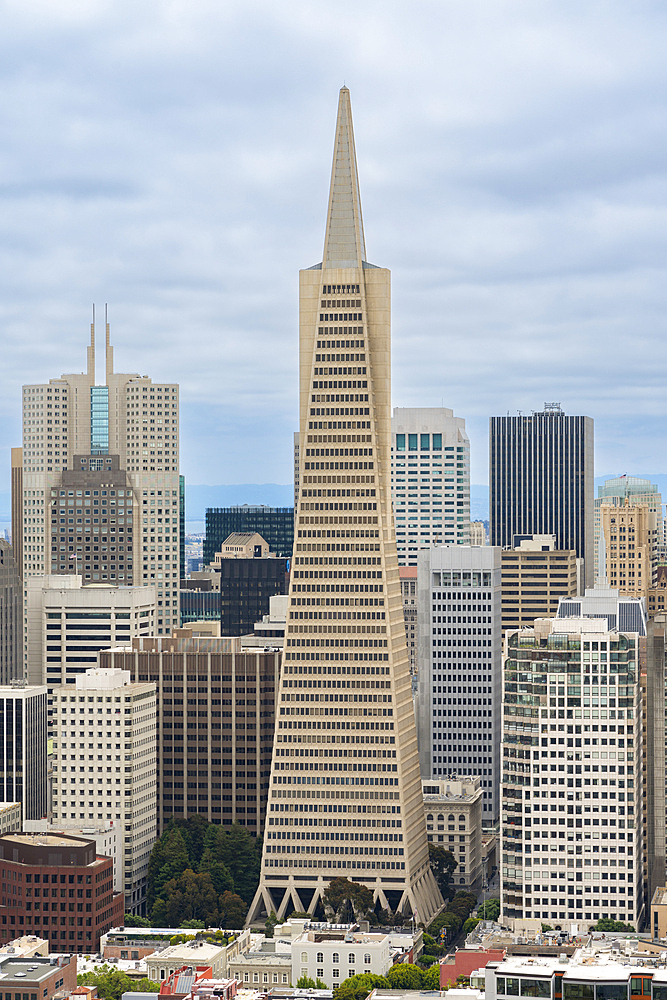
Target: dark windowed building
[
  {"x": 275, "y": 524},
  {"x": 245, "y": 588},
  {"x": 23, "y": 759},
  {"x": 541, "y": 481},
  {"x": 11, "y": 625}
]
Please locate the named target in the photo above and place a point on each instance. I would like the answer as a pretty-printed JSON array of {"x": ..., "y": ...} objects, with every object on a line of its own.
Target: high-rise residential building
[
  {"x": 571, "y": 751},
  {"x": 430, "y": 479},
  {"x": 453, "y": 809},
  {"x": 215, "y": 724},
  {"x": 275, "y": 524},
  {"x": 100, "y": 483},
  {"x": 105, "y": 765},
  {"x": 459, "y": 666},
  {"x": 11, "y": 617},
  {"x": 634, "y": 490},
  {"x": 75, "y": 921},
  {"x": 541, "y": 481},
  {"x": 345, "y": 691},
  {"x": 655, "y": 782},
  {"x": 631, "y": 542},
  {"x": 68, "y": 624},
  {"x": 23, "y": 749},
  {"x": 535, "y": 576}
]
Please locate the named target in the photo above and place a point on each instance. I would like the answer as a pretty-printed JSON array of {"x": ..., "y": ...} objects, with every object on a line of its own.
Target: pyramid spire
[{"x": 344, "y": 244}]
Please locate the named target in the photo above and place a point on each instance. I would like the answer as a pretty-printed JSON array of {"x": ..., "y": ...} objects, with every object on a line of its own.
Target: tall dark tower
[{"x": 541, "y": 481}]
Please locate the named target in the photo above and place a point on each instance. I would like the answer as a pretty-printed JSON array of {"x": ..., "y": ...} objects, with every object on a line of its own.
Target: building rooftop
[
  {"x": 43, "y": 840},
  {"x": 659, "y": 896},
  {"x": 190, "y": 951},
  {"x": 33, "y": 970}
]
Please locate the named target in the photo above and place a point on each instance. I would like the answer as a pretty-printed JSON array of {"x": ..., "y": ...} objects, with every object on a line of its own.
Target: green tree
[
  {"x": 232, "y": 911},
  {"x": 306, "y": 983},
  {"x": 194, "y": 831},
  {"x": 219, "y": 872},
  {"x": 431, "y": 978},
  {"x": 133, "y": 920},
  {"x": 198, "y": 925},
  {"x": 405, "y": 977},
  {"x": 470, "y": 925},
  {"x": 360, "y": 986},
  {"x": 241, "y": 854},
  {"x": 605, "y": 924},
  {"x": 443, "y": 864},
  {"x": 168, "y": 860},
  {"x": 189, "y": 897},
  {"x": 112, "y": 983},
  {"x": 490, "y": 910},
  {"x": 343, "y": 992},
  {"x": 546, "y": 927},
  {"x": 343, "y": 896}
]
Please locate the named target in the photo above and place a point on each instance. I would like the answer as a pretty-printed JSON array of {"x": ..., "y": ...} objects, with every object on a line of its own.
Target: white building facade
[
  {"x": 68, "y": 623},
  {"x": 460, "y": 666},
  {"x": 104, "y": 733},
  {"x": 333, "y": 956},
  {"x": 430, "y": 478}
]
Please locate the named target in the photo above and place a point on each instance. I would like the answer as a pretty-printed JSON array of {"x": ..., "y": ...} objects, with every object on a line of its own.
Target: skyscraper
[
  {"x": 634, "y": 490},
  {"x": 430, "y": 473},
  {"x": 541, "y": 481},
  {"x": 99, "y": 481},
  {"x": 459, "y": 666},
  {"x": 345, "y": 792}
]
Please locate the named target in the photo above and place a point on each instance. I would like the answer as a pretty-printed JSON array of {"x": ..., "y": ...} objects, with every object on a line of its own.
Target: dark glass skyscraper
[
  {"x": 274, "y": 524},
  {"x": 541, "y": 481}
]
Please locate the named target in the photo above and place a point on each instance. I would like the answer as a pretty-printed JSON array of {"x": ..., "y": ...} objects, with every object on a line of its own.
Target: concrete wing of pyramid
[
  {"x": 345, "y": 795},
  {"x": 344, "y": 244}
]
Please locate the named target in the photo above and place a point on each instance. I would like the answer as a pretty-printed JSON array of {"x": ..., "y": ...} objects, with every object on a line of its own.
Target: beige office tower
[
  {"x": 100, "y": 483},
  {"x": 631, "y": 539},
  {"x": 345, "y": 794}
]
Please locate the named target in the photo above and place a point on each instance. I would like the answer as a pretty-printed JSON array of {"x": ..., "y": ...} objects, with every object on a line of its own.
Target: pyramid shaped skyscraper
[{"x": 345, "y": 797}]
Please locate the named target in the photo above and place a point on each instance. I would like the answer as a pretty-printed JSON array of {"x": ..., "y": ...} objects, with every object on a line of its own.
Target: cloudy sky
[{"x": 172, "y": 159}]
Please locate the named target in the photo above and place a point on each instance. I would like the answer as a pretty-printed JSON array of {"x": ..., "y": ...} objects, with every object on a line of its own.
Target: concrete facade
[
  {"x": 453, "y": 809},
  {"x": 430, "y": 467},
  {"x": 345, "y": 625},
  {"x": 67, "y": 624},
  {"x": 535, "y": 576},
  {"x": 108, "y": 714},
  {"x": 459, "y": 666}
]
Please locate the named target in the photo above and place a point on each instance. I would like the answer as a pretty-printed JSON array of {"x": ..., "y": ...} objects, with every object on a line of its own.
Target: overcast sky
[{"x": 173, "y": 159}]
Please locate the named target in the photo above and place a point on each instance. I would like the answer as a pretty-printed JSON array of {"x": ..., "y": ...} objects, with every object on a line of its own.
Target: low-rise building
[
  {"x": 37, "y": 978},
  {"x": 333, "y": 955},
  {"x": 269, "y": 964},
  {"x": 453, "y": 809},
  {"x": 609, "y": 970},
  {"x": 11, "y": 817},
  {"x": 25, "y": 947},
  {"x": 658, "y": 926},
  {"x": 163, "y": 964}
]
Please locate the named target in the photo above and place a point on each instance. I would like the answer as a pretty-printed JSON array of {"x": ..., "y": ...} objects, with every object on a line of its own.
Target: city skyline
[{"x": 524, "y": 187}]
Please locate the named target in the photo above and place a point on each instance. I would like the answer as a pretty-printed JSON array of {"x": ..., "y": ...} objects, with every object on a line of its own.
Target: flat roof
[
  {"x": 30, "y": 969},
  {"x": 44, "y": 840}
]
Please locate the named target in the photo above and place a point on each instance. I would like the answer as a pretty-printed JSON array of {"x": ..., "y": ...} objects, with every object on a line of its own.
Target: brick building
[{"x": 57, "y": 887}]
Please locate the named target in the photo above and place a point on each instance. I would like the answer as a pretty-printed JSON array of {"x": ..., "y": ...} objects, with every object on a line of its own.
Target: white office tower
[
  {"x": 459, "y": 658},
  {"x": 67, "y": 624},
  {"x": 100, "y": 481},
  {"x": 571, "y": 830},
  {"x": 104, "y": 765},
  {"x": 430, "y": 479}
]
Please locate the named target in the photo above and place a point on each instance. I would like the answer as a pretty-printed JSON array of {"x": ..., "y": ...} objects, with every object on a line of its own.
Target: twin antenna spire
[{"x": 90, "y": 351}]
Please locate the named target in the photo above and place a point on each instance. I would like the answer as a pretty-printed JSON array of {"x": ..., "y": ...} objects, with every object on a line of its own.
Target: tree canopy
[
  {"x": 347, "y": 900},
  {"x": 443, "y": 864},
  {"x": 112, "y": 983},
  {"x": 202, "y": 872}
]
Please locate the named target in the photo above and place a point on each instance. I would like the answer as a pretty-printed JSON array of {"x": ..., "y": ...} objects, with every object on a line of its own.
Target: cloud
[{"x": 173, "y": 159}]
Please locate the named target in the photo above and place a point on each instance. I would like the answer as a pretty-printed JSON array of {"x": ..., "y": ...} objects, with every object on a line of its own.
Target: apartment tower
[
  {"x": 99, "y": 481},
  {"x": 541, "y": 481},
  {"x": 345, "y": 762},
  {"x": 430, "y": 472}
]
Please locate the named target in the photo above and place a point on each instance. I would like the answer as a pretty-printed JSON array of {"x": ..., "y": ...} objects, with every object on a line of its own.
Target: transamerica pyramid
[{"x": 345, "y": 796}]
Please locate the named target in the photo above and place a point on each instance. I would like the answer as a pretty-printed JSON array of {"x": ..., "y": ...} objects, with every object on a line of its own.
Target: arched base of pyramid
[{"x": 282, "y": 897}]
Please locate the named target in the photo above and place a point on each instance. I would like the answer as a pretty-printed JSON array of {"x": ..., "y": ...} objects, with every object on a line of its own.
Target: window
[
  {"x": 412, "y": 442},
  {"x": 351, "y": 958},
  {"x": 535, "y": 987},
  {"x": 437, "y": 442},
  {"x": 320, "y": 956},
  {"x": 367, "y": 959},
  {"x": 400, "y": 442},
  {"x": 619, "y": 991},
  {"x": 255, "y": 977},
  {"x": 246, "y": 977},
  {"x": 425, "y": 442},
  {"x": 512, "y": 987},
  {"x": 335, "y": 958},
  {"x": 265, "y": 977},
  {"x": 336, "y": 973},
  {"x": 578, "y": 991},
  {"x": 304, "y": 956},
  {"x": 284, "y": 977}
]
